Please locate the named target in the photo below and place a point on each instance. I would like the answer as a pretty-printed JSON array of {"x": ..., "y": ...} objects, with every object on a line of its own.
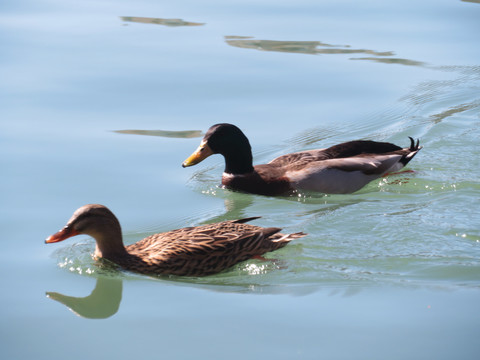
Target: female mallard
[
  {"x": 340, "y": 169},
  {"x": 191, "y": 251}
]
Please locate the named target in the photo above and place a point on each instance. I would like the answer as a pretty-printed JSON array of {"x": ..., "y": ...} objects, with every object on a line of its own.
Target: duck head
[
  {"x": 229, "y": 141},
  {"x": 98, "y": 222}
]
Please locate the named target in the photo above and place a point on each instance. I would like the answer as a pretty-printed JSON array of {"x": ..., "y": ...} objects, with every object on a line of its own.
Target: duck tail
[
  {"x": 414, "y": 149},
  {"x": 414, "y": 146},
  {"x": 289, "y": 237},
  {"x": 279, "y": 240},
  {"x": 242, "y": 221}
]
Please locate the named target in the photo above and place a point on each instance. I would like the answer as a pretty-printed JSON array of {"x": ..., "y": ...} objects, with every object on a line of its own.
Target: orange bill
[{"x": 61, "y": 235}]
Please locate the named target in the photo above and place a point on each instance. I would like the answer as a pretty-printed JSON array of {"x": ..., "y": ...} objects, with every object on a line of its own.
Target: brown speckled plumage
[{"x": 190, "y": 251}]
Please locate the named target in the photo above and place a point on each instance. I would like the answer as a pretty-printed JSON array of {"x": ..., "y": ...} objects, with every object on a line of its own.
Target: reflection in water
[
  {"x": 103, "y": 302},
  {"x": 302, "y": 47},
  {"x": 105, "y": 299},
  {"x": 451, "y": 97},
  {"x": 315, "y": 47},
  {"x": 235, "y": 207},
  {"x": 158, "y": 21},
  {"x": 164, "y": 133},
  {"x": 436, "y": 118},
  {"x": 393, "y": 61},
  {"x": 311, "y": 137}
]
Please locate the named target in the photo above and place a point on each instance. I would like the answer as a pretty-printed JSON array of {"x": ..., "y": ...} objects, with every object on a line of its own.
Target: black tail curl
[{"x": 414, "y": 146}]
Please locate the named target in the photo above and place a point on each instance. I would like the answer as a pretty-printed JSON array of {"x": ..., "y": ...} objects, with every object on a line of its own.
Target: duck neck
[
  {"x": 239, "y": 160},
  {"x": 110, "y": 244},
  {"x": 238, "y": 163}
]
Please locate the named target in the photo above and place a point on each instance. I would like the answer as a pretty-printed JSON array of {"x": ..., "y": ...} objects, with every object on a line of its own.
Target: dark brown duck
[{"x": 340, "y": 169}]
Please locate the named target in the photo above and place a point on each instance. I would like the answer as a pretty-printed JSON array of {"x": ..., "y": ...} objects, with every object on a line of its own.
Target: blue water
[{"x": 100, "y": 102}]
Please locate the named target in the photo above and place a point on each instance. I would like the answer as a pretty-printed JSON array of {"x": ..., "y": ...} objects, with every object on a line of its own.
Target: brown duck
[
  {"x": 190, "y": 251},
  {"x": 339, "y": 169}
]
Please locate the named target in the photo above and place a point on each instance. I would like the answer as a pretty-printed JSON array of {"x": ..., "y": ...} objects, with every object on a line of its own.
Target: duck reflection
[
  {"x": 234, "y": 206},
  {"x": 103, "y": 302},
  {"x": 158, "y": 21},
  {"x": 105, "y": 299}
]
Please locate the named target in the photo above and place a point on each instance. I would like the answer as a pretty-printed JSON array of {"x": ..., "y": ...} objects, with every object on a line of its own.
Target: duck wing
[
  {"x": 368, "y": 164},
  {"x": 299, "y": 159},
  {"x": 343, "y": 150},
  {"x": 207, "y": 249},
  {"x": 351, "y": 149},
  {"x": 347, "y": 175}
]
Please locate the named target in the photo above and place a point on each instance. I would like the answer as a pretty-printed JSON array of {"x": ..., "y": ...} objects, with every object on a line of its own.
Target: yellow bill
[{"x": 202, "y": 152}]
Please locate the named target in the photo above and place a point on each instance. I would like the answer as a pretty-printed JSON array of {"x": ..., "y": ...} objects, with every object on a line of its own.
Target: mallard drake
[
  {"x": 191, "y": 251},
  {"x": 340, "y": 169}
]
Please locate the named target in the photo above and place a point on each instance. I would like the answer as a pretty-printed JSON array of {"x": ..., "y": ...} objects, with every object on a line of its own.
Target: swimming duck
[
  {"x": 340, "y": 169},
  {"x": 190, "y": 251}
]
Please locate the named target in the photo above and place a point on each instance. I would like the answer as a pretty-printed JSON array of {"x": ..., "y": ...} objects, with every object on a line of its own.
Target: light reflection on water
[
  {"x": 301, "y": 47},
  {"x": 158, "y": 21},
  {"x": 185, "y": 134}
]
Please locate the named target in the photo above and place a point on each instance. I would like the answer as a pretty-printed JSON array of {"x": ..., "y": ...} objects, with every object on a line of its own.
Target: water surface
[{"x": 102, "y": 101}]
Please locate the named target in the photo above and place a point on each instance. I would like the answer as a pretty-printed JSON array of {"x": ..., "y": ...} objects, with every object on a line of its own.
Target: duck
[
  {"x": 340, "y": 169},
  {"x": 189, "y": 251}
]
